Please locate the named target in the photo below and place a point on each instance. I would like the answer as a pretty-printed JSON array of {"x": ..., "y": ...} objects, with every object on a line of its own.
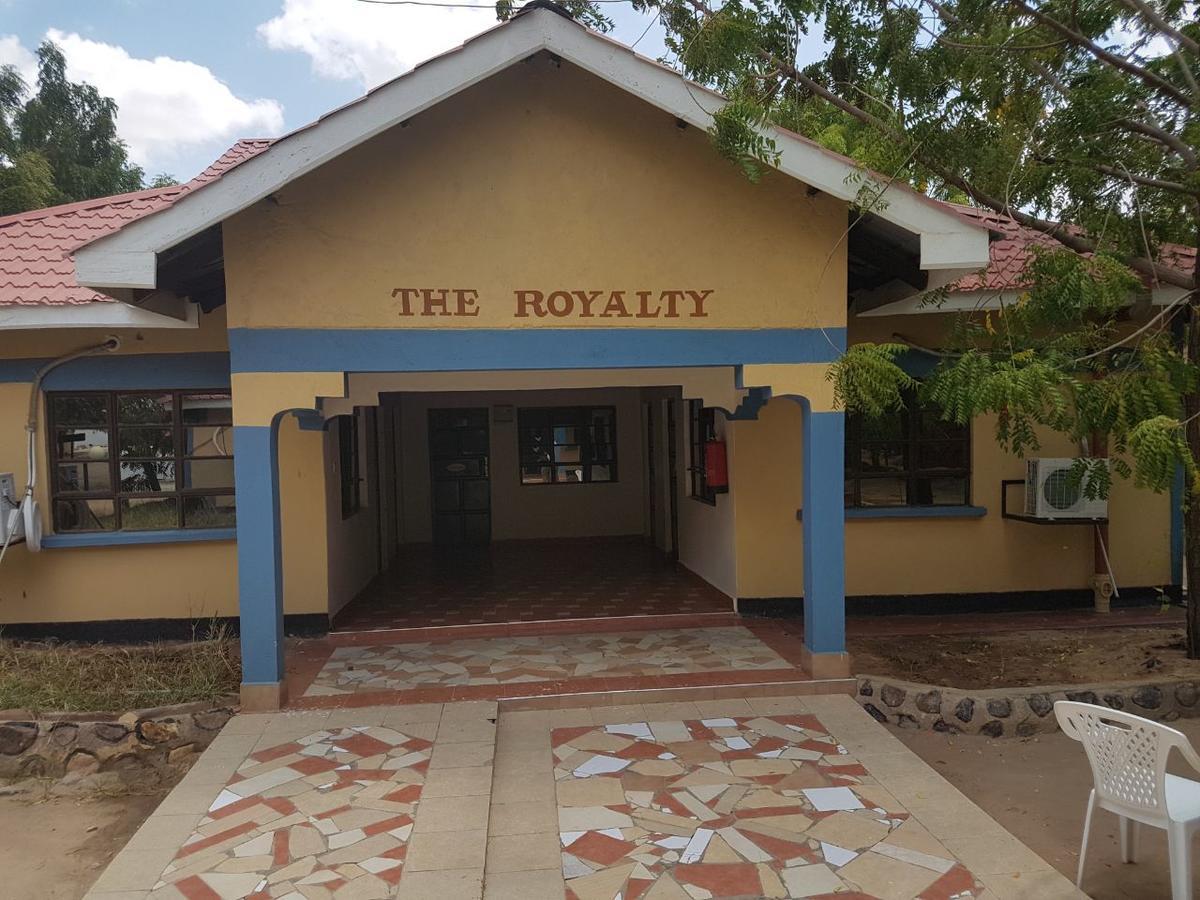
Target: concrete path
[{"x": 742, "y": 798}]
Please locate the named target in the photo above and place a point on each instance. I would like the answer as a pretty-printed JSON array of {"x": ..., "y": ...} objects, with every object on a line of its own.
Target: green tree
[
  {"x": 1077, "y": 118},
  {"x": 66, "y": 126}
]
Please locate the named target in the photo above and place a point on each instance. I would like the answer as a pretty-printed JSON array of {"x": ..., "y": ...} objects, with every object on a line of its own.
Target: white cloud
[
  {"x": 12, "y": 53},
  {"x": 165, "y": 107},
  {"x": 369, "y": 42}
]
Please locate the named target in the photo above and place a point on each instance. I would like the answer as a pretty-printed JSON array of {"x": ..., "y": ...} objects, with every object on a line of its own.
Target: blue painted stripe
[
  {"x": 260, "y": 558},
  {"x": 824, "y": 531},
  {"x": 917, "y": 512},
  {"x": 123, "y": 538},
  {"x": 1178, "y": 487},
  {"x": 910, "y": 512},
  {"x": 446, "y": 350},
  {"x": 122, "y": 372}
]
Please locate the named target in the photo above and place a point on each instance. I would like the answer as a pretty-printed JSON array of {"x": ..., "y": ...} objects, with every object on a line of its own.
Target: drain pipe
[{"x": 27, "y": 506}]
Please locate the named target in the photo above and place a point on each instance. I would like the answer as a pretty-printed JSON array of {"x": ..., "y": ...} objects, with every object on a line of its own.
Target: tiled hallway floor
[
  {"x": 514, "y": 660},
  {"x": 529, "y": 581},
  {"x": 708, "y": 800}
]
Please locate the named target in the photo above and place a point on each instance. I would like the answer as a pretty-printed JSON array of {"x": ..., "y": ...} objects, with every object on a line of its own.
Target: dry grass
[{"x": 102, "y": 678}]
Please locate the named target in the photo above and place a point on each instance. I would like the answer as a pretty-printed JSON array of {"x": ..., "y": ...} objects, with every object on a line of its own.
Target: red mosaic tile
[
  {"x": 194, "y": 889},
  {"x": 954, "y": 882},
  {"x": 205, "y": 843},
  {"x": 721, "y": 879},
  {"x": 600, "y": 848},
  {"x": 311, "y": 765},
  {"x": 276, "y": 752},
  {"x": 364, "y": 745}
]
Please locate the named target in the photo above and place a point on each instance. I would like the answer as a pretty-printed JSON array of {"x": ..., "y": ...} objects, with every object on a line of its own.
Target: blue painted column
[
  {"x": 260, "y": 559},
  {"x": 824, "y": 533}
]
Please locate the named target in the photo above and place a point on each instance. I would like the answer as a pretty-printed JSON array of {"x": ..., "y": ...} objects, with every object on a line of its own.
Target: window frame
[
  {"x": 178, "y": 458},
  {"x": 702, "y": 428},
  {"x": 587, "y": 462},
  {"x": 911, "y": 440}
]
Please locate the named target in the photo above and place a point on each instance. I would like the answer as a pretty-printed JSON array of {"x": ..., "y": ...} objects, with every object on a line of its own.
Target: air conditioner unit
[{"x": 1051, "y": 492}]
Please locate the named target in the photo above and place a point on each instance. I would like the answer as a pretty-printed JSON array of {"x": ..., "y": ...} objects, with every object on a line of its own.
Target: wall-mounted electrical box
[{"x": 8, "y": 509}]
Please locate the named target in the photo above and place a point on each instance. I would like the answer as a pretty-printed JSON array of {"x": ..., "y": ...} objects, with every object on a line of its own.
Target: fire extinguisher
[{"x": 716, "y": 467}]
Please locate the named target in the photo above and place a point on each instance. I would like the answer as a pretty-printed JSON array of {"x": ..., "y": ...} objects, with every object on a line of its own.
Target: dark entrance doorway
[{"x": 460, "y": 486}]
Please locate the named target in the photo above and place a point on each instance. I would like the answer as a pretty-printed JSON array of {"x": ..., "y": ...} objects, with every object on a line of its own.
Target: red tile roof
[
  {"x": 36, "y": 266},
  {"x": 1011, "y": 255}
]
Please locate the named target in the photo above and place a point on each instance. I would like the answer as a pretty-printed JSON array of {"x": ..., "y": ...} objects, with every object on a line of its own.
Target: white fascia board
[
  {"x": 972, "y": 301},
  {"x": 92, "y": 315},
  {"x": 126, "y": 258}
]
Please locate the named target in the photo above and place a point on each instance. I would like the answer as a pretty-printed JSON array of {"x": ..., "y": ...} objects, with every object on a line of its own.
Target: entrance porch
[{"x": 487, "y": 499}]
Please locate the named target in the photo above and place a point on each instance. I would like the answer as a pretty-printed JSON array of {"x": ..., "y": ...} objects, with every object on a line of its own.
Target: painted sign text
[{"x": 576, "y": 304}]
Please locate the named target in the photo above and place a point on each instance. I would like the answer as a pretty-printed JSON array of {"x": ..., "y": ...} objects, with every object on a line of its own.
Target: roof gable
[{"x": 127, "y": 258}]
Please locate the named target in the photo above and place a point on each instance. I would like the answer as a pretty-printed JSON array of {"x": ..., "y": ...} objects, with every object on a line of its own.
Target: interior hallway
[{"x": 529, "y": 581}]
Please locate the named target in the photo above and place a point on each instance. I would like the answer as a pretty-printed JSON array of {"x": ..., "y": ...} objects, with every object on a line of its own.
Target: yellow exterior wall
[
  {"x": 152, "y": 581},
  {"x": 302, "y": 505},
  {"x": 931, "y": 555},
  {"x": 540, "y": 178},
  {"x": 353, "y": 542},
  {"x": 194, "y": 580}
]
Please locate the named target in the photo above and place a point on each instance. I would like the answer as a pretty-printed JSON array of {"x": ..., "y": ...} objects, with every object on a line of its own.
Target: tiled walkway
[
  {"x": 515, "y": 660},
  {"x": 530, "y": 581},
  {"x": 551, "y": 667},
  {"x": 722, "y": 799}
]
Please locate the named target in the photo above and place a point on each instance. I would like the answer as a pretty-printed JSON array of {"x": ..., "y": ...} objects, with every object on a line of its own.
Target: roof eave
[
  {"x": 127, "y": 258},
  {"x": 16, "y": 317}
]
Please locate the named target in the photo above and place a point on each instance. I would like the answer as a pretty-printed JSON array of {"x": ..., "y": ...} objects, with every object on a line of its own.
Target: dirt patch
[
  {"x": 1028, "y": 658},
  {"x": 56, "y": 847},
  {"x": 1038, "y": 790}
]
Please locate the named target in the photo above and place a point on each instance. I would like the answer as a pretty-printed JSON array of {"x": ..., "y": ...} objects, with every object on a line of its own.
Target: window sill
[
  {"x": 124, "y": 538},
  {"x": 911, "y": 512}
]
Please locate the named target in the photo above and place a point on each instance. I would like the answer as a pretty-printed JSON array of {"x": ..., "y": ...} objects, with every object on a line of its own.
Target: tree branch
[
  {"x": 1163, "y": 137},
  {"x": 1117, "y": 62},
  {"x": 1056, "y": 230},
  {"x": 1175, "y": 187},
  {"x": 1150, "y": 14}
]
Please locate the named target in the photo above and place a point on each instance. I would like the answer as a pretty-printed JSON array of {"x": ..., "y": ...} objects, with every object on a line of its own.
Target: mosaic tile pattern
[
  {"x": 326, "y": 816},
  {"x": 767, "y": 806},
  {"x": 511, "y": 660},
  {"x": 529, "y": 581}
]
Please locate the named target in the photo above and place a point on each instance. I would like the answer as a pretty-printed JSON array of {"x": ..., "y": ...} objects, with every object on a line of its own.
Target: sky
[{"x": 192, "y": 76}]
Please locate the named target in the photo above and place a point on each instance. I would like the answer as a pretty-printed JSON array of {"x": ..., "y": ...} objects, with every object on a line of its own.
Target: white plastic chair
[{"x": 1128, "y": 755}]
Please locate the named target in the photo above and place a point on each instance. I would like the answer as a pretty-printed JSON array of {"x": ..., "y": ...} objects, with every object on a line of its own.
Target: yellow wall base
[
  {"x": 264, "y": 697},
  {"x": 825, "y": 665}
]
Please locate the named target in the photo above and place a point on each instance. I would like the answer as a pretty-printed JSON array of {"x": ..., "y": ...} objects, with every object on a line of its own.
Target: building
[{"x": 513, "y": 296}]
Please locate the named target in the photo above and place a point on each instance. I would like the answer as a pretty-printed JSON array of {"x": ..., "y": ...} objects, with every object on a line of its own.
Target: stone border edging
[
  {"x": 1017, "y": 711},
  {"x": 108, "y": 749}
]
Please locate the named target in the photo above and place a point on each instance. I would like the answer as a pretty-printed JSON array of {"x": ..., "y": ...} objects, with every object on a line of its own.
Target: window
[
  {"x": 908, "y": 457},
  {"x": 348, "y": 466},
  {"x": 142, "y": 461},
  {"x": 702, "y": 428},
  {"x": 568, "y": 444}
]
